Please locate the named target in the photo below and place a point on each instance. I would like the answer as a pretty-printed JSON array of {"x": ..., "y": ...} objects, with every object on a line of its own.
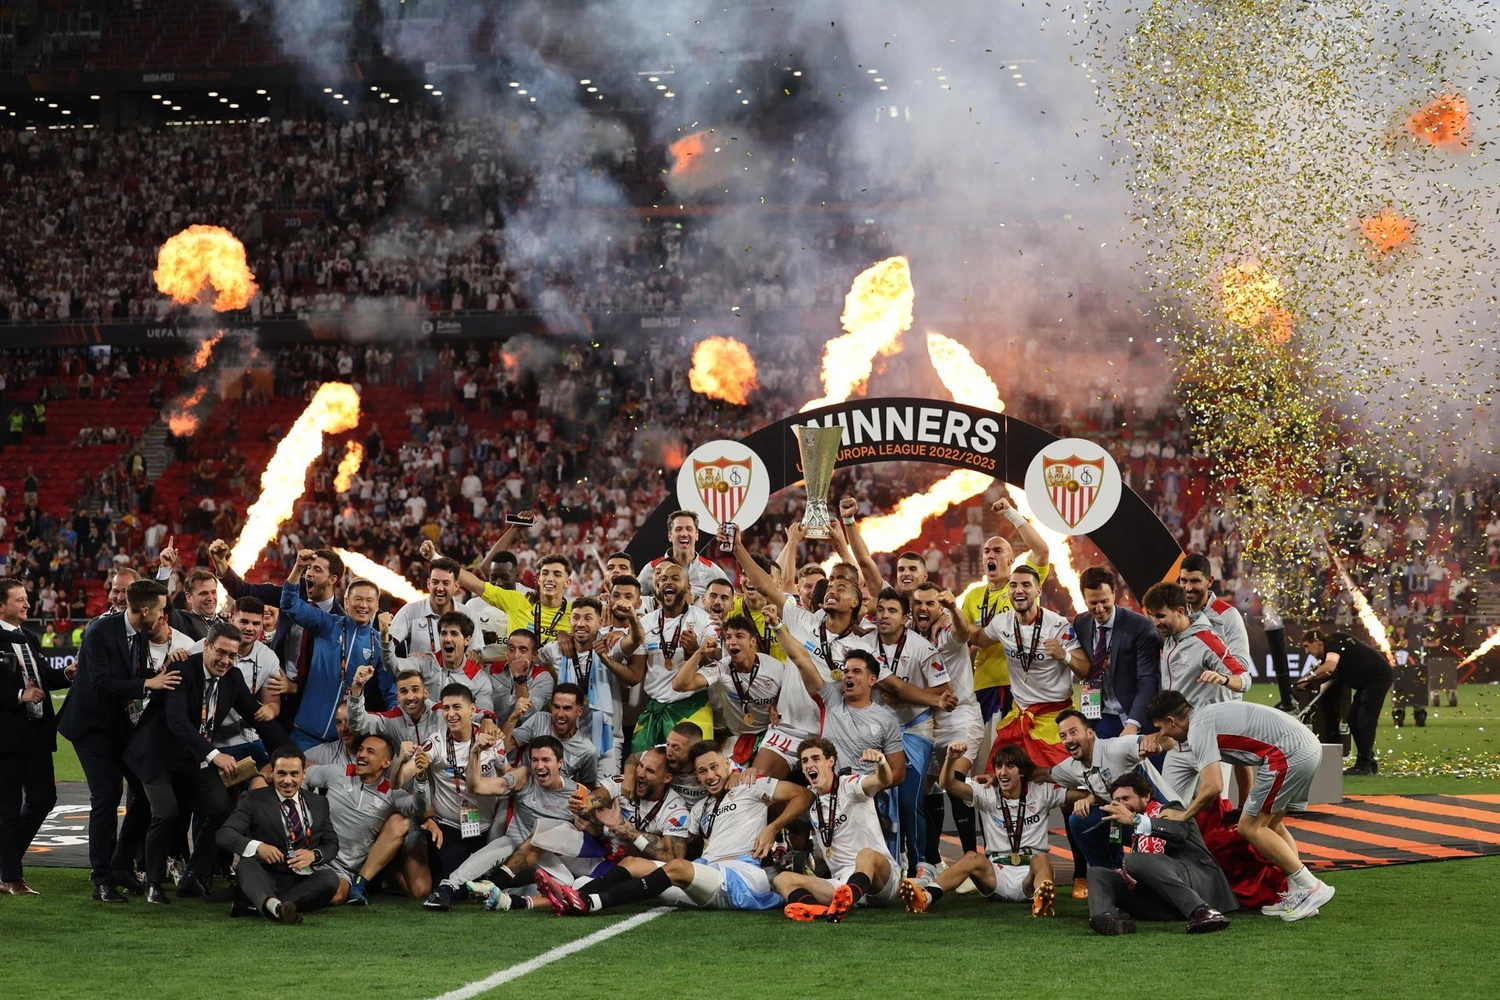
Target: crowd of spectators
[
  {"x": 590, "y": 435},
  {"x": 402, "y": 212}
]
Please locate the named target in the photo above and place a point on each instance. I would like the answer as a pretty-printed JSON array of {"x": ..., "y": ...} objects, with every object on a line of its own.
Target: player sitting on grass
[
  {"x": 846, "y": 836},
  {"x": 1013, "y": 811}
]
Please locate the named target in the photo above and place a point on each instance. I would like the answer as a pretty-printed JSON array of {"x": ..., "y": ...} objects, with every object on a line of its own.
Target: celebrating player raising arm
[{"x": 846, "y": 836}]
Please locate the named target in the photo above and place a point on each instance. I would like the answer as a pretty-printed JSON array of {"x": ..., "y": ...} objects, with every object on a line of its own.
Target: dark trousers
[
  {"x": 112, "y": 847},
  {"x": 1089, "y": 838},
  {"x": 173, "y": 797},
  {"x": 1364, "y": 713},
  {"x": 27, "y": 795},
  {"x": 443, "y": 861},
  {"x": 258, "y": 882},
  {"x": 1162, "y": 890},
  {"x": 1109, "y": 726}
]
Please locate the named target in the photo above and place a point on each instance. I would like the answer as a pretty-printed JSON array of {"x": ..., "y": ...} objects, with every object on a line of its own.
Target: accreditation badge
[{"x": 1091, "y": 702}]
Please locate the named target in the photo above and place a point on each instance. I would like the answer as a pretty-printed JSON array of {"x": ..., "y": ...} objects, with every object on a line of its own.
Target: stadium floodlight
[
  {"x": 514, "y": 83},
  {"x": 93, "y": 97},
  {"x": 593, "y": 90},
  {"x": 426, "y": 86},
  {"x": 584, "y": 83},
  {"x": 213, "y": 93},
  {"x": 437, "y": 93},
  {"x": 260, "y": 90},
  {"x": 156, "y": 97}
]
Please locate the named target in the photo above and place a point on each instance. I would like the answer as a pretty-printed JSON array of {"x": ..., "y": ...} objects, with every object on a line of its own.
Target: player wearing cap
[
  {"x": 1013, "y": 810},
  {"x": 1044, "y": 658},
  {"x": 846, "y": 836},
  {"x": 1284, "y": 755}
]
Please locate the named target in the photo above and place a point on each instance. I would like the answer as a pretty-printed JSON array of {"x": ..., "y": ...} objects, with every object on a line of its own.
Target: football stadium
[{"x": 548, "y": 497}]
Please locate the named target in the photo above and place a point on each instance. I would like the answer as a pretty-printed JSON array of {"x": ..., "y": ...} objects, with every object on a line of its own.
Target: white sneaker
[
  {"x": 1277, "y": 908},
  {"x": 966, "y": 888},
  {"x": 479, "y": 889},
  {"x": 1307, "y": 904}
]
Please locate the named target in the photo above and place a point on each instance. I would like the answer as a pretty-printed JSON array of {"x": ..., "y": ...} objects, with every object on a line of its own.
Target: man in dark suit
[
  {"x": 28, "y": 736},
  {"x": 1169, "y": 875},
  {"x": 113, "y": 677},
  {"x": 1124, "y": 654},
  {"x": 282, "y": 837},
  {"x": 172, "y": 753}
]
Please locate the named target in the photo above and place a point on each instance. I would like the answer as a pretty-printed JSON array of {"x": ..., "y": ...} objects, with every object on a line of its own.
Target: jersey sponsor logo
[{"x": 677, "y": 821}]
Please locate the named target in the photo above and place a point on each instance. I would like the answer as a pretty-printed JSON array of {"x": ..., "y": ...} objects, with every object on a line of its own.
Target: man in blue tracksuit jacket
[{"x": 342, "y": 643}]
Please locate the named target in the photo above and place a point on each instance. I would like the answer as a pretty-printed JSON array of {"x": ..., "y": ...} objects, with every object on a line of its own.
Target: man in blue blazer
[{"x": 1125, "y": 656}]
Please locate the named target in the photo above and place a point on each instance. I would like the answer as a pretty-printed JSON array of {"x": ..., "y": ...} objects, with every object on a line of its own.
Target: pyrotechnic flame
[
  {"x": 687, "y": 153},
  {"x": 354, "y": 455},
  {"x": 1484, "y": 647},
  {"x": 333, "y": 410},
  {"x": 1387, "y": 231},
  {"x": 971, "y": 385},
  {"x": 1367, "y": 616},
  {"x": 204, "y": 352},
  {"x": 361, "y": 567},
  {"x": 1443, "y": 122},
  {"x": 181, "y": 420},
  {"x": 877, "y": 311},
  {"x": 723, "y": 369},
  {"x": 201, "y": 256}
]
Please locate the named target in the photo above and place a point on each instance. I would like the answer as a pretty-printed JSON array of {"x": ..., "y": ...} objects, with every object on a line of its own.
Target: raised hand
[
  {"x": 384, "y": 621},
  {"x": 168, "y": 558},
  {"x": 427, "y": 550},
  {"x": 848, "y": 507},
  {"x": 957, "y": 750}
]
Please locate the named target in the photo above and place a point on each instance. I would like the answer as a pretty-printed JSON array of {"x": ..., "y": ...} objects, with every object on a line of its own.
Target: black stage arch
[{"x": 908, "y": 429}]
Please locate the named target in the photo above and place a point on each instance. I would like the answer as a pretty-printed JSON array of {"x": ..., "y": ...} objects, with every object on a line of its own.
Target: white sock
[
  {"x": 274, "y": 906},
  {"x": 1302, "y": 879},
  {"x": 595, "y": 903}
]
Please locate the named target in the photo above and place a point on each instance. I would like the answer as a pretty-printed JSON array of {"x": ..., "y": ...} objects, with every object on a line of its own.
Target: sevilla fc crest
[
  {"x": 1073, "y": 485},
  {"x": 723, "y": 484}
]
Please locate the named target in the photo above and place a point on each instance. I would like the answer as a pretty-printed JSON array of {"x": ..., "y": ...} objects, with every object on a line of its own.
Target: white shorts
[
  {"x": 970, "y": 731},
  {"x": 884, "y": 895},
  {"x": 1010, "y": 881},
  {"x": 711, "y": 889},
  {"x": 784, "y": 742}
]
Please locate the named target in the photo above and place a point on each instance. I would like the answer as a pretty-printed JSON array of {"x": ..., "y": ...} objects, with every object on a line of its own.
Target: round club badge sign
[
  {"x": 1074, "y": 486},
  {"x": 724, "y": 481}
]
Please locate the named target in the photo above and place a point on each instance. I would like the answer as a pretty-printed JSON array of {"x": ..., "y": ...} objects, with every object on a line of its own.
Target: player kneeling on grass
[
  {"x": 846, "y": 836},
  {"x": 734, "y": 823},
  {"x": 1013, "y": 811}
]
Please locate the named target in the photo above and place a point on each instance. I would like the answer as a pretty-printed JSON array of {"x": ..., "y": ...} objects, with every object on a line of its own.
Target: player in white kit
[
  {"x": 734, "y": 823},
  {"x": 846, "y": 836},
  {"x": 1014, "y": 812},
  {"x": 936, "y": 617},
  {"x": 1285, "y": 756}
]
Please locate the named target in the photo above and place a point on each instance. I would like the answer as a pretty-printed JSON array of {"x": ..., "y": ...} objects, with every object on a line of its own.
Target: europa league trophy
[{"x": 820, "y": 449}]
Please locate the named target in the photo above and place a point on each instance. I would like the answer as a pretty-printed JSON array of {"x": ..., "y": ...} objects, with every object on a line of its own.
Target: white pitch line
[{"x": 480, "y": 986}]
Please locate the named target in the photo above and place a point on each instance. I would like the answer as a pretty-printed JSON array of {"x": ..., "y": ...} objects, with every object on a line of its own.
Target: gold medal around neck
[
  {"x": 749, "y": 719},
  {"x": 1015, "y": 859}
]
